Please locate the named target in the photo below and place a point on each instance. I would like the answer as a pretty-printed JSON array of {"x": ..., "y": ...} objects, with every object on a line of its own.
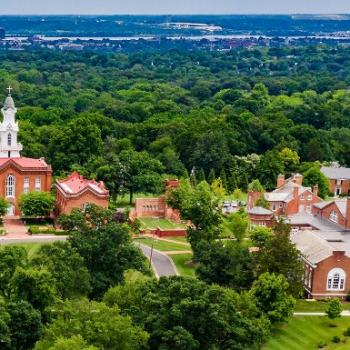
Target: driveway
[{"x": 161, "y": 263}]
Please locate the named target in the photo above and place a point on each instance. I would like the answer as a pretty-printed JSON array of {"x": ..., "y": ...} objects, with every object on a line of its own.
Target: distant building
[
  {"x": 339, "y": 179},
  {"x": 77, "y": 192},
  {"x": 2, "y": 33}
]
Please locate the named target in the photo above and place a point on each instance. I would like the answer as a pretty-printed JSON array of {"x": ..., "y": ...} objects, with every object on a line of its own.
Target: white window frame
[
  {"x": 309, "y": 197},
  {"x": 333, "y": 216},
  {"x": 26, "y": 185},
  {"x": 38, "y": 184},
  {"x": 10, "y": 186},
  {"x": 336, "y": 279},
  {"x": 9, "y": 139}
]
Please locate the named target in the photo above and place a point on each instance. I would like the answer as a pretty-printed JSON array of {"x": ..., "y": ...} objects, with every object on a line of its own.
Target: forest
[{"x": 132, "y": 120}]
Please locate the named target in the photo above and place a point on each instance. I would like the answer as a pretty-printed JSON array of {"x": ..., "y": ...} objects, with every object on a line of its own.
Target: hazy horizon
[{"x": 171, "y": 7}]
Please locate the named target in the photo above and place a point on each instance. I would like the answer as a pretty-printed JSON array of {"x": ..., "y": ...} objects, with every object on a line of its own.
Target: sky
[{"x": 20, "y": 7}]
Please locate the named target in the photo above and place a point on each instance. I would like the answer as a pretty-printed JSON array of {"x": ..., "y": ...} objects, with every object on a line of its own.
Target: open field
[
  {"x": 163, "y": 246},
  {"x": 308, "y": 333},
  {"x": 153, "y": 223},
  {"x": 180, "y": 261}
]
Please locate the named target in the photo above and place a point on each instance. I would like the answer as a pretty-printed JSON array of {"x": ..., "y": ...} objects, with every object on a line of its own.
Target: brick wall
[
  {"x": 344, "y": 186},
  {"x": 326, "y": 211}
]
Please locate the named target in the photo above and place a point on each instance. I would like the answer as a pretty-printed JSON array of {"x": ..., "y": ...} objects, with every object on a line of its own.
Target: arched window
[
  {"x": 336, "y": 279},
  {"x": 9, "y": 139},
  {"x": 333, "y": 216},
  {"x": 10, "y": 186}
]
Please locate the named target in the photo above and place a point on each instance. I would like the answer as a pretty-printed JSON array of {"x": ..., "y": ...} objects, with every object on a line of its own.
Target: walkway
[
  {"x": 161, "y": 264},
  {"x": 15, "y": 228},
  {"x": 344, "y": 313}
]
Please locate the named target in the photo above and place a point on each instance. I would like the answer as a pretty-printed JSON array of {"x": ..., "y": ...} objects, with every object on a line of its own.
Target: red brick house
[
  {"x": 336, "y": 211},
  {"x": 76, "y": 192},
  {"x": 290, "y": 197},
  {"x": 259, "y": 216},
  {"x": 339, "y": 179},
  {"x": 326, "y": 258}
]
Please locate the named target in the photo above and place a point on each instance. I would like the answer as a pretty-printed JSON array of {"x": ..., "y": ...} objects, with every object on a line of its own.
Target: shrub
[
  {"x": 321, "y": 345},
  {"x": 336, "y": 339},
  {"x": 347, "y": 332}
]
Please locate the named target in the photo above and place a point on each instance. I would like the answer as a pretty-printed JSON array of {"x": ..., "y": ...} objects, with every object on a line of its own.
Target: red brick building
[
  {"x": 76, "y": 192},
  {"x": 290, "y": 197},
  {"x": 18, "y": 174},
  {"x": 262, "y": 217},
  {"x": 339, "y": 180},
  {"x": 326, "y": 258}
]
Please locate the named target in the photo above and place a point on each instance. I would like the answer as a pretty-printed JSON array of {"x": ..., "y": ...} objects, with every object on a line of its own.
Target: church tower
[{"x": 9, "y": 147}]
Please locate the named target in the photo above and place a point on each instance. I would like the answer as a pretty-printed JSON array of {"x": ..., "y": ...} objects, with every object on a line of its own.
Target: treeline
[{"x": 177, "y": 111}]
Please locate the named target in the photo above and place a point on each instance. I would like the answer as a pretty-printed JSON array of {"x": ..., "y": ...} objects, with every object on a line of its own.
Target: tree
[
  {"x": 185, "y": 313},
  {"x": 237, "y": 223},
  {"x": 35, "y": 286},
  {"x": 290, "y": 159},
  {"x": 218, "y": 188},
  {"x": 36, "y": 204},
  {"x": 4, "y": 205},
  {"x": 260, "y": 236},
  {"x": 97, "y": 324},
  {"x": 262, "y": 202},
  {"x": 25, "y": 325},
  {"x": 11, "y": 257},
  {"x": 313, "y": 176},
  {"x": 334, "y": 309},
  {"x": 211, "y": 176},
  {"x": 269, "y": 168},
  {"x": 5, "y": 332},
  {"x": 73, "y": 343},
  {"x": 108, "y": 252},
  {"x": 255, "y": 186},
  {"x": 140, "y": 172},
  {"x": 66, "y": 266},
  {"x": 280, "y": 256},
  {"x": 273, "y": 299},
  {"x": 229, "y": 265}
]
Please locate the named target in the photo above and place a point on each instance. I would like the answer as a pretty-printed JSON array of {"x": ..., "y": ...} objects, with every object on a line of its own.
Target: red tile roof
[
  {"x": 75, "y": 184},
  {"x": 25, "y": 163}
]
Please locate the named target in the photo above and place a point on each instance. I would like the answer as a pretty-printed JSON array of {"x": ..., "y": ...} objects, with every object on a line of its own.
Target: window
[
  {"x": 274, "y": 207},
  {"x": 302, "y": 197},
  {"x": 309, "y": 197},
  {"x": 37, "y": 184},
  {"x": 10, "y": 186},
  {"x": 26, "y": 185},
  {"x": 333, "y": 216},
  {"x": 281, "y": 205},
  {"x": 9, "y": 139},
  {"x": 308, "y": 208},
  {"x": 336, "y": 279}
]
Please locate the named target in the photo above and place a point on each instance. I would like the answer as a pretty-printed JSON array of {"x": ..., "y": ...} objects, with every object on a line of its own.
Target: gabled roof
[
  {"x": 317, "y": 246},
  {"x": 25, "y": 163},
  {"x": 340, "y": 204},
  {"x": 336, "y": 172},
  {"x": 75, "y": 184},
  {"x": 259, "y": 211}
]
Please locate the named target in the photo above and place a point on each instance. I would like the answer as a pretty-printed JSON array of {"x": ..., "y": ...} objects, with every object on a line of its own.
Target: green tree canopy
[{"x": 36, "y": 203}]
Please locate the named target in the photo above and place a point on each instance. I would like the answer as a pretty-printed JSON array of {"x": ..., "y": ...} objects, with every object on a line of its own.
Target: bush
[
  {"x": 336, "y": 339},
  {"x": 34, "y": 230},
  {"x": 321, "y": 345},
  {"x": 347, "y": 332}
]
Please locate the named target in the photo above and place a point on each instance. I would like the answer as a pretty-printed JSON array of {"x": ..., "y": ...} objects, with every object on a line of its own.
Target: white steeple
[{"x": 9, "y": 147}]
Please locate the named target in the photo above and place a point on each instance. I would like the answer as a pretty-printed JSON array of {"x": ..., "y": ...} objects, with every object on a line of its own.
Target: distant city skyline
[{"x": 21, "y": 7}]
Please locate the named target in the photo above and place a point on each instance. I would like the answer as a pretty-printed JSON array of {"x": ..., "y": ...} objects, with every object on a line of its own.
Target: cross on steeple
[{"x": 9, "y": 89}]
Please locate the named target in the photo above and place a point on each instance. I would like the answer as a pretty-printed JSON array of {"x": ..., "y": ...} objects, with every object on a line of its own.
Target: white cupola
[{"x": 9, "y": 147}]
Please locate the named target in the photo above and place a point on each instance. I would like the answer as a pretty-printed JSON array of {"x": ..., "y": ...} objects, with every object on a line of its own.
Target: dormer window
[
  {"x": 9, "y": 139},
  {"x": 333, "y": 216}
]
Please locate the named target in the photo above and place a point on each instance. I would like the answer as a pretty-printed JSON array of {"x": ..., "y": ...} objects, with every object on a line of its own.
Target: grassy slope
[
  {"x": 305, "y": 333},
  {"x": 162, "y": 245},
  {"x": 180, "y": 261}
]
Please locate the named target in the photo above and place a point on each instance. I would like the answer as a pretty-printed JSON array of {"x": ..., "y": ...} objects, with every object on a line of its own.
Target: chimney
[
  {"x": 315, "y": 190},
  {"x": 298, "y": 179},
  {"x": 280, "y": 180},
  {"x": 347, "y": 213}
]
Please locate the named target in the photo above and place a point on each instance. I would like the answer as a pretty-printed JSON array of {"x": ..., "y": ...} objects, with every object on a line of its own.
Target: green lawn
[
  {"x": 180, "y": 261},
  {"x": 162, "y": 245},
  {"x": 31, "y": 248},
  {"x": 315, "y": 306},
  {"x": 308, "y": 332},
  {"x": 178, "y": 239},
  {"x": 153, "y": 223}
]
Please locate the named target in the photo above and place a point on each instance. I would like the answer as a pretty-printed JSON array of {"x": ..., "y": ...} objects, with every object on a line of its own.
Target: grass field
[
  {"x": 163, "y": 246},
  {"x": 153, "y": 223},
  {"x": 178, "y": 239},
  {"x": 315, "y": 306},
  {"x": 180, "y": 261},
  {"x": 31, "y": 248},
  {"x": 308, "y": 333}
]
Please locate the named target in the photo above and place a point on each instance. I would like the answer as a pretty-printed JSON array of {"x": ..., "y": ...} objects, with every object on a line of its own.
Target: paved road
[{"x": 161, "y": 263}]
